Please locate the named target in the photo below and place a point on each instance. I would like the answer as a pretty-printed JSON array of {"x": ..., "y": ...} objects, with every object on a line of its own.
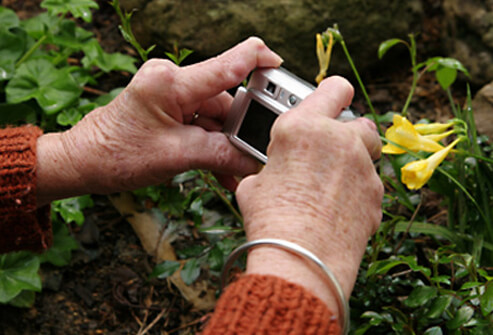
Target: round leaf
[
  {"x": 18, "y": 271},
  {"x": 433, "y": 331},
  {"x": 38, "y": 79},
  {"x": 463, "y": 315}
]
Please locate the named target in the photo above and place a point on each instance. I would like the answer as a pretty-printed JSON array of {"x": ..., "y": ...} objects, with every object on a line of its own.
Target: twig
[{"x": 194, "y": 322}]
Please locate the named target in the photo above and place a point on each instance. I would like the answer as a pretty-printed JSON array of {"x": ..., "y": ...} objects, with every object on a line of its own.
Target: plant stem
[
  {"x": 362, "y": 86},
  {"x": 412, "y": 52},
  {"x": 222, "y": 196},
  {"x": 31, "y": 51}
]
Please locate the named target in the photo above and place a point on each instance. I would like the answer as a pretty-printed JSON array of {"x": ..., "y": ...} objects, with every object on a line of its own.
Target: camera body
[{"x": 269, "y": 93}]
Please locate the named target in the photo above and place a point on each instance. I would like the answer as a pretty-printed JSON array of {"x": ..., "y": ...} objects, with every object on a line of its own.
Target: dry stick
[
  {"x": 146, "y": 313},
  {"x": 411, "y": 221},
  {"x": 158, "y": 317},
  {"x": 186, "y": 325}
]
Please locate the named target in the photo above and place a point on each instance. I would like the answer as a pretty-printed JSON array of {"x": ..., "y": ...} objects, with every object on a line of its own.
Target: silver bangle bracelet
[{"x": 335, "y": 287}]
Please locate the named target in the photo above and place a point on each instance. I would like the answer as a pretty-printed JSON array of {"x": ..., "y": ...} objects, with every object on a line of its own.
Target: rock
[
  {"x": 288, "y": 27},
  {"x": 482, "y": 105},
  {"x": 469, "y": 36}
]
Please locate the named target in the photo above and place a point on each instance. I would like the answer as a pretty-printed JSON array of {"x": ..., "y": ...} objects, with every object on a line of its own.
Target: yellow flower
[
  {"x": 432, "y": 128},
  {"x": 323, "y": 55},
  {"x": 416, "y": 174},
  {"x": 402, "y": 132}
]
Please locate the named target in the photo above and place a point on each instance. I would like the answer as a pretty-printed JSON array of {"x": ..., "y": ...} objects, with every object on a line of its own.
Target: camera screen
[{"x": 255, "y": 128}]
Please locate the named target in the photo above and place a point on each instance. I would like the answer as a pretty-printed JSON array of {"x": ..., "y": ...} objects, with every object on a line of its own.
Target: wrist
[{"x": 56, "y": 175}]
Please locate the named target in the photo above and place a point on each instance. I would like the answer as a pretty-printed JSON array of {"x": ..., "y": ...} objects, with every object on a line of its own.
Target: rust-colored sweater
[{"x": 254, "y": 304}]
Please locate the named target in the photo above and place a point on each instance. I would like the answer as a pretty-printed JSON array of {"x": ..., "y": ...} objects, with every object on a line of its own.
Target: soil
[{"x": 105, "y": 289}]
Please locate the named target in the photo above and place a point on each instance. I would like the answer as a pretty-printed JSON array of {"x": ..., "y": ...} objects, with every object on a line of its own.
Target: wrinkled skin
[
  {"x": 148, "y": 133},
  {"x": 318, "y": 189}
]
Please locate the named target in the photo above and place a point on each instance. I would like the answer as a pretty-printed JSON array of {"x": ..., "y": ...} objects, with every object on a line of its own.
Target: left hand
[{"x": 149, "y": 132}]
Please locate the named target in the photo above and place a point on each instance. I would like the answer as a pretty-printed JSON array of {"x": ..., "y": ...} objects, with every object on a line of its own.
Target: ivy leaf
[
  {"x": 8, "y": 18},
  {"x": 96, "y": 56},
  {"x": 165, "y": 269},
  {"x": 386, "y": 45},
  {"x": 63, "y": 244},
  {"x": 420, "y": 296},
  {"x": 78, "y": 8},
  {"x": 12, "y": 113},
  {"x": 69, "y": 117},
  {"x": 486, "y": 300},
  {"x": 71, "y": 36},
  {"x": 190, "y": 271},
  {"x": 71, "y": 209},
  {"x": 39, "y": 25},
  {"x": 25, "y": 299},
  {"x": 13, "y": 42},
  {"x": 38, "y": 79},
  {"x": 18, "y": 271}
]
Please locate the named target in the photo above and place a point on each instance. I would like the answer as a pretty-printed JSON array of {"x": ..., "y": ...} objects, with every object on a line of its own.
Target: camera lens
[
  {"x": 271, "y": 88},
  {"x": 292, "y": 100}
]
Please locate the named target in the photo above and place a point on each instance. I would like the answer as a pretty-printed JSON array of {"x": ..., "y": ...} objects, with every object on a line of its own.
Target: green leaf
[
  {"x": 78, "y": 8},
  {"x": 71, "y": 36},
  {"x": 216, "y": 259},
  {"x": 96, "y": 56},
  {"x": 13, "y": 43},
  {"x": 420, "y": 296},
  {"x": 386, "y": 45},
  {"x": 446, "y": 76},
  {"x": 39, "y": 25},
  {"x": 165, "y": 269},
  {"x": 25, "y": 299},
  {"x": 69, "y": 117},
  {"x": 63, "y": 245},
  {"x": 38, "y": 79},
  {"x": 433, "y": 331},
  {"x": 190, "y": 271},
  {"x": 439, "y": 305},
  {"x": 8, "y": 18},
  {"x": 107, "y": 98},
  {"x": 13, "y": 113},
  {"x": 486, "y": 300},
  {"x": 469, "y": 285},
  {"x": 383, "y": 266},
  {"x": 463, "y": 315},
  {"x": 18, "y": 271},
  {"x": 71, "y": 209},
  {"x": 427, "y": 228}
]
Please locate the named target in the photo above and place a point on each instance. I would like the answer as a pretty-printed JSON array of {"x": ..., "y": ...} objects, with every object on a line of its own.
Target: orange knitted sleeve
[
  {"x": 261, "y": 304},
  {"x": 22, "y": 225}
]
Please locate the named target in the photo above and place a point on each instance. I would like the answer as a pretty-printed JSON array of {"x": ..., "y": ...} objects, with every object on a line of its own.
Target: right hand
[{"x": 319, "y": 189}]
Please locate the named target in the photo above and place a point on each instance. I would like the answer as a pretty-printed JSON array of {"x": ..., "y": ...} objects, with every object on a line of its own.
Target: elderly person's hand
[
  {"x": 167, "y": 121},
  {"x": 319, "y": 189}
]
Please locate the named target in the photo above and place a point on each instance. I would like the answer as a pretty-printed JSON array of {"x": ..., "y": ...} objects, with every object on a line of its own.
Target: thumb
[{"x": 213, "y": 151}]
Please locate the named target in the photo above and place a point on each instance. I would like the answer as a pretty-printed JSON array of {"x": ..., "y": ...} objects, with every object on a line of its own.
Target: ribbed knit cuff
[
  {"x": 261, "y": 304},
  {"x": 22, "y": 225}
]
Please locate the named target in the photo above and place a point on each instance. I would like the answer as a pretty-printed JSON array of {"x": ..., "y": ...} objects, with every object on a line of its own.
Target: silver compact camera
[{"x": 269, "y": 93}]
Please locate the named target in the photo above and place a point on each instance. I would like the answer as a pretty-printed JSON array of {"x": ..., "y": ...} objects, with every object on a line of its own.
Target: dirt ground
[{"x": 105, "y": 289}]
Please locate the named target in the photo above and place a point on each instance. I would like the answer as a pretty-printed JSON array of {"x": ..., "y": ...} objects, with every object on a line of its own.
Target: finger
[
  {"x": 332, "y": 95},
  {"x": 217, "y": 107},
  {"x": 204, "y": 80},
  {"x": 367, "y": 131},
  {"x": 207, "y": 123},
  {"x": 213, "y": 151}
]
